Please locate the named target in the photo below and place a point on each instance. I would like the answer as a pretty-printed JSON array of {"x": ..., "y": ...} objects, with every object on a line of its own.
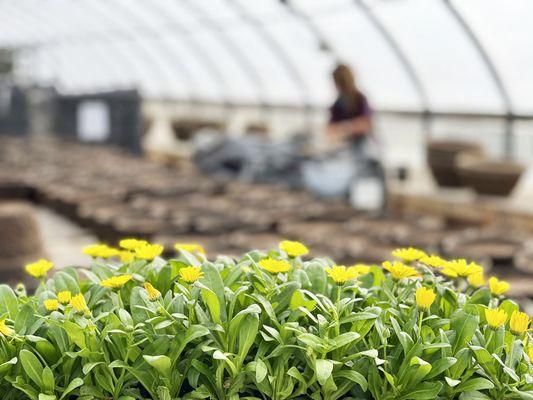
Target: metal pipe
[
  {"x": 493, "y": 72},
  {"x": 404, "y": 61}
]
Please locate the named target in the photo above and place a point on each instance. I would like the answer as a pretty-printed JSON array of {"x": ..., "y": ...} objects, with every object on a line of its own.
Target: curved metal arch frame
[
  {"x": 246, "y": 66},
  {"x": 404, "y": 60},
  {"x": 131, "y": 37},
  {"x": 218, "y": 76},
  {"x": 285, "y": 60},
  {"x": 493, "y": 72},
  {"x": 324, "y": 44}
]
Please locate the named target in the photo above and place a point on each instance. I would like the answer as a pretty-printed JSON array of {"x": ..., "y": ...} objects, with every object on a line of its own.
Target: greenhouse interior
[{"x": 268, "y": 199}]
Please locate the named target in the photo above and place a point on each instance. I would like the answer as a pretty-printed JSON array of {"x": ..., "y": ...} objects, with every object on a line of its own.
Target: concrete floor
[{"x": 62, "y": 239}]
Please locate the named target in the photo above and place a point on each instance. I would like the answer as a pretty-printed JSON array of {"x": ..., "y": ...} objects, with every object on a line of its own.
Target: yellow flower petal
[
  {"x": 409, "y": 255},
  {"x": 189, "y": 247},
  {"x": 495, "y": 317},
  {"x": 39, "y": 269},
  {"x": 78, "y": 304},
  {"x": 400, "y": 271},
  {"x": 148, "y": 252},
  {"x": 293, "y": 249},
  {"x": 51, "y": 304},
  {"x": 64, "y": 297},
  {"x": 132, "y": 244},
  {"x": 116, "y": 282},
  {"x": 274, "y": 266},
  {"x": 153, "y": 293},
  {"x": 191, "y": 274},
  {"x": 4, "y": 329},
  {"x": 424, "y": 297},
  {"x": 101, "y": 251},
  {"x": 498, "y": 287},
  {"x": 519, "y": 322},
  {"x": 340, "y": 274}
]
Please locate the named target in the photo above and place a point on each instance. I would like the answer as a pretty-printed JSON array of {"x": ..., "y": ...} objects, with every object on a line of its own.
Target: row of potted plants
[{"x": 268, "y": 325}]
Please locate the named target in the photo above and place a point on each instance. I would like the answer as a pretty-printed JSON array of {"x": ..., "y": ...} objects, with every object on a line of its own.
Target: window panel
[
  {"x": 444, "y": 58},
  {"x": 505, "y": 28}
]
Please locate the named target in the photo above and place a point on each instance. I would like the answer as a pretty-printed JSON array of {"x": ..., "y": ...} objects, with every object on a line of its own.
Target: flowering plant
[{"x": 269, "y": 325}]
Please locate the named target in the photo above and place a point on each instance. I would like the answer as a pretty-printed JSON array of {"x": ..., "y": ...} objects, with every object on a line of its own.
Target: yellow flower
[
  {"x": 409, "y": 254},
  {"x": 189, "y": 247},
  {"x": 519, "y": 322},
  {"x": 64, "y": 297},
  {"x": 399, "y": 270},
  {"x": 360, "y": 269},
  {"x": 274, "y": 266},
  {"x": 40, "y": 268},
  {"x": 498, "y": 287},
  {"x": 293, "y": 249},
  {"x": 153, "y": 293},
  {"x": 132, "y": 244},
  {"x": 433, "y": 261},
  {"x": 477, "y": 279},
  {"x": 51, "y": 304},
  {"x": 78, "y": 304},
  {"x": 340, "y": 274},
  {"x": 4, "y": 329},
  {"x": 126, "y": 256},
  {"x": 149, "y": 251},
  {"x": 424, "y": 297},
  {"x": 461, "y": 268},
  {"x": 191, "y": 274},
  {"x": 495, "y": 317},
  {"x": 530, "y": 353},
  {"x": 116, "y": 282},
  {"x": 101, "y": 251}
]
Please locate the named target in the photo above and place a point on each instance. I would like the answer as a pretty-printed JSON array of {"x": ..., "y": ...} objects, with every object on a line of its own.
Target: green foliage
[{"x": 241, "y": 332}]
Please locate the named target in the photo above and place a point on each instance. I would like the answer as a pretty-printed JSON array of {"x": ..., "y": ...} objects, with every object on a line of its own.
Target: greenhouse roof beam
[
  {"x": 225, "y": 40},
  {"x": 403, "y": 59},
  {"x": 216, "y": 73},
  {"x": 283, "y": 57},
  {"x": 493, "y": 72}
]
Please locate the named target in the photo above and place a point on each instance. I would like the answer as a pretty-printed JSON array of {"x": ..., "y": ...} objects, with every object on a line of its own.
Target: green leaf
[
  {"x": 48, "y": 379},
  {"x": 43, "y": 396},
  {"x": 73, "y": 385},
  {"x": 64, "y": 281},
  {"x": 261, "y": 370},
  {"x": 8, "y": 302},
  {"x": 323, "y": 370},
  {"x": 25, "y": 320},
  {"x": 354, "y": 376},
  {"x": 213, "y": 281},
  {"x": 90, "y": 366},
  {"x": 4, "y": 367},
  {"x": 298, "y": 300},
  {"x": 32, "y": 367},
  {"x": 247, "y": 336},
  {"x": 163, "y": 393},
  {"x": 317, "y": 276},
  {"x": 480, "y": 296},
  {"x": 441, "y": 365},
  {"x": 473, "y": 396},
  {"x": 343, "y": 340},
  {"x": 484, "y": 358},
  {"x": 464, "y": 325},
  {"x": 473, "y": 384},
  {"x": 424, "y": 391},
  {"x": 161, "y": 363},
  {"x": 211, "y": 300},
  {"x": 75, "y": 334}
]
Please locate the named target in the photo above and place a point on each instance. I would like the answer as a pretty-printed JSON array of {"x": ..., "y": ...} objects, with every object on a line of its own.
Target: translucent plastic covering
[{"x": 421, "y": 55}]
